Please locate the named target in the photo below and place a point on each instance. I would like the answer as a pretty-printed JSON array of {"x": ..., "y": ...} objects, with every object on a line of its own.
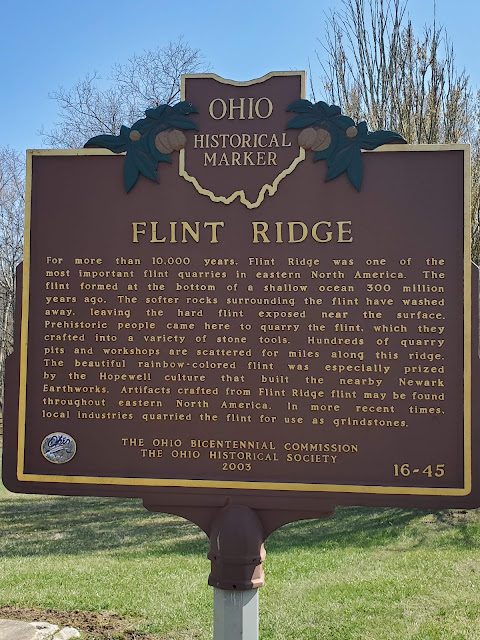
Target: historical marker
[{"x": 271, "y": 312}]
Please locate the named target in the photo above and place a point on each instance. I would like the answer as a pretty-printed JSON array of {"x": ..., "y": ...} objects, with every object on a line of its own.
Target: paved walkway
[{"x": 17, "y": 630}]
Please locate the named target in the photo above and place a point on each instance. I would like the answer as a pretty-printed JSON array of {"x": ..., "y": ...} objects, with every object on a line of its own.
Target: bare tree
[
  {"x": 475, "y": 142},
  {"x": 85, "y": 110},
  {"x": 92, "y": 107},
  {"x": 153, "y": 77},
  {"x": 12, "y": 204},
  {"x": 378, "y": 70}
]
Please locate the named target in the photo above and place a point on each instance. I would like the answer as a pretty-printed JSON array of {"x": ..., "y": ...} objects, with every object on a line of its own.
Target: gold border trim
[
  {"x": 269, "y": 189},
  {"x": 233, "y": 484},
  {"x": 271, "y": 486},
  {"x": 73, "y": 152},
  {"x": 22, "y": 392},
  {"x": 467, "y": 318}
]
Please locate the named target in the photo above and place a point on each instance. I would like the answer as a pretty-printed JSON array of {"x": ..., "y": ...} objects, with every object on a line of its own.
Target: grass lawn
[{"x": 365, "y": 574}]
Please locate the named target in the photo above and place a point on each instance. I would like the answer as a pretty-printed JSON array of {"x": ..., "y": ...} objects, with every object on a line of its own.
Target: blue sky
[{"x": 53, "y": 43}]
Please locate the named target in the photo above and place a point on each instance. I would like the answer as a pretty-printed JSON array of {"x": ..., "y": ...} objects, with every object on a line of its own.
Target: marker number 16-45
[{"x": 437, "y": 470}]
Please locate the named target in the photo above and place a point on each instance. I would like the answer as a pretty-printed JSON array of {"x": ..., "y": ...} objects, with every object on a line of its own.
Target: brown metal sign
[{"x": 194, "y": 340}]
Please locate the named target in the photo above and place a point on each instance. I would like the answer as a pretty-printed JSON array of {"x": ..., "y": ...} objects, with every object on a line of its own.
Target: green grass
[{"x": 365, "y": 574}]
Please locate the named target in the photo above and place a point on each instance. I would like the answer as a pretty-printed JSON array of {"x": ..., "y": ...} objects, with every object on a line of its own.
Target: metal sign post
[
  {"x": 236, "y": 554},
  {"x": 235, "y": 615}
]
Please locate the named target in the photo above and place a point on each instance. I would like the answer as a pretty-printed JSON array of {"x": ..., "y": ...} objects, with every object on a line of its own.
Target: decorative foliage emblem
[
  {"x": 332, "y": 136},
  {"x": 336, "y": 138},
  {"x": 149, "y": 141}
]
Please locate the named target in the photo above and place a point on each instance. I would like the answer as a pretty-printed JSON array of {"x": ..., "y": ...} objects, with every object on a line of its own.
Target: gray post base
[{"x": 235, "y": 614}]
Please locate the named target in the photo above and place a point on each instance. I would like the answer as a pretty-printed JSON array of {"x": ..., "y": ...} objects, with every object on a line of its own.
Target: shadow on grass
[
  {"x": 43, "y": 525},
  {"x": 32, "y": 525},
  {"x": 350, "y": 526},
  {"x": 366, "y": 527}
]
